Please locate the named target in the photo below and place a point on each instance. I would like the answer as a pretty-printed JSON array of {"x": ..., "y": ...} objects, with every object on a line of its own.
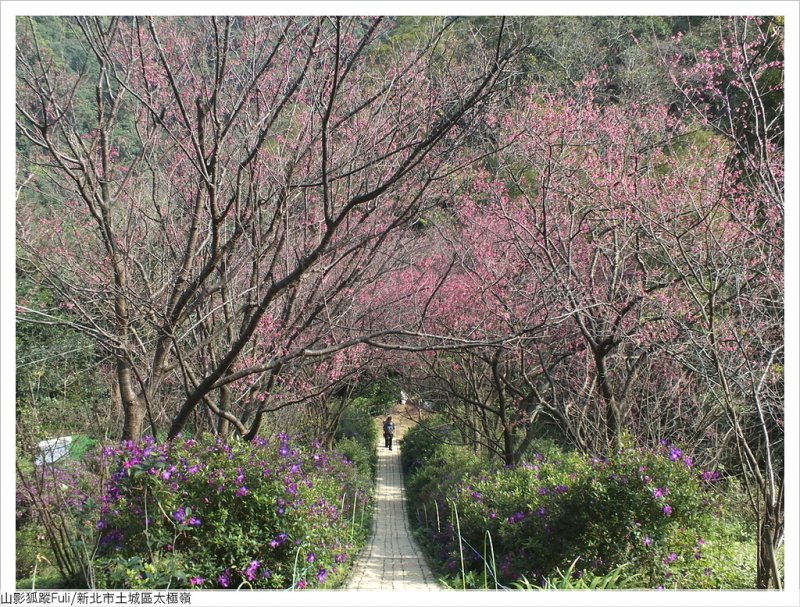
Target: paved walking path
[{"x": 392, "y": 560}]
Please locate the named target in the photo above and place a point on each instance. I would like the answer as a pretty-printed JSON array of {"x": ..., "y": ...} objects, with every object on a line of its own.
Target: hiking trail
[{"x": 391, "y": 560}]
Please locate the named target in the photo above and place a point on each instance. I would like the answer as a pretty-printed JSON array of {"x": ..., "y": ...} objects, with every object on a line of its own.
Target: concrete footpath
[{"x": 391, "y": 560}]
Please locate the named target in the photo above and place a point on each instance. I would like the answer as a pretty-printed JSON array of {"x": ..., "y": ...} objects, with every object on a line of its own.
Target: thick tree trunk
[
  {"x": 614, "y": 426},
  {"x": 223, "y": 425},
  {"x": 508, "y": 445},
  {"x": 133, "y": 407},
  {"x": 769, "y": 533},
  {"x": 613, "y": 414},
  {"x": 134, "y": 420}
]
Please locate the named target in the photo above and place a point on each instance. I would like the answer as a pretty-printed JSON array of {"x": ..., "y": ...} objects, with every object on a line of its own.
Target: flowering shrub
[
  {"x": 354, "y": 450},
  {"x": 356, "y": 438},
  {"x": 57, "y": 505},
  {"x": 207, "y": 513},
  {"x": 421, "y": 442},
  {"x": 650, "y": 510}
]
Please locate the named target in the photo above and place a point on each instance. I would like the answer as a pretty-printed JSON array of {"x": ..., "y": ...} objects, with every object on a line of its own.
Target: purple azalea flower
[
  {"x": 113, "y": 537},
  {"x": 224, "y": 579},
  {"x": 301, "y": 584},
  {"x": 675, "y": 454},
  {"x": 341, "y": 557},
  {"x": 671, "y": 558},
  {"x": 647, "y": 541},
  {"x": 242, "y": 491},
  {"x": 311, "y": 558},
  {"x": 252, "y": 570},
  {"x": 180, "y": 514},
  {"x": 516, "y": 518},
  {"x": 197, "y": 581},
  {"x": 322, "y": 575},
  {"x": 667, "y": 510},
  {"x": 194, "y": 522}
]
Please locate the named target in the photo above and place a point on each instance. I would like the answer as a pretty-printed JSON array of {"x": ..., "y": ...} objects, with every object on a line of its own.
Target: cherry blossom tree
[
  {"x": 549, "y": 264},
  {"x": 621, "y": 272},
  {"x": 183, "y": 183},
  {"x": 727, "y": 250}
]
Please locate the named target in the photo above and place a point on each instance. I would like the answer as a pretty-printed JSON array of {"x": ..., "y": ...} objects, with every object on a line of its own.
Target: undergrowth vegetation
[
  {"x": 200, "y": 513},
  {"x": 644, "y": 518},
  {"x": 210, "y": 513}
]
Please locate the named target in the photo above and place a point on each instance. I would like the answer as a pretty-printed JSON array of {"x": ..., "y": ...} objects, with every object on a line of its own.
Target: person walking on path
[
  {"x": 388, "y": 432},
  {"x": 391, "y": 560}
]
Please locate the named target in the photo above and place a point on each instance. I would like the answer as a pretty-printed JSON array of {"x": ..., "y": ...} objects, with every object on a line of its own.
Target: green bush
[
  {"x": 648, "y": 510},
  {"x": 206, "y": 513},
  {"x": 354, "y": 450},
  {"x": 81, "y": 446},
  {"x": 357, "y": 423},
  {"x": 376, "y": 398},
  {"x": 421, "y": 442},
  {"x": 433, "y": 469},
  {"x": 57, "y": 504},
  {"x": 443, "y": 469},
  {"x": 357, "y": 437},
  {"x": 31, "y": 550}
]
